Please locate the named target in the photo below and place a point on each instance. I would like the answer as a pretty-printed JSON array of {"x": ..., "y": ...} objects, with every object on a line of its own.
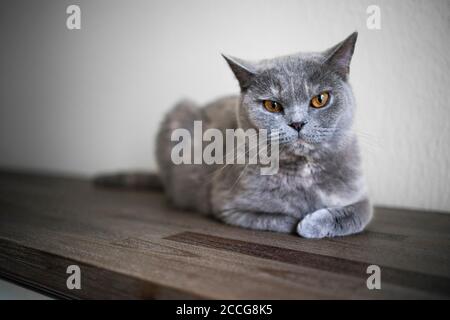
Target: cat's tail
[{"x": 130, "y": 180}]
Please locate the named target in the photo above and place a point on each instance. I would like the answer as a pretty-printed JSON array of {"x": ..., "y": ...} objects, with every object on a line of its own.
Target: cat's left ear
[
  {"x": 243, "y": 71},
  {"x": 340, "y": 56}
]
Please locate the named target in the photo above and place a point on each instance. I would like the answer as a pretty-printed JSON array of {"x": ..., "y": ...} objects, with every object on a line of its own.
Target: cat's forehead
[
  {"x": 292, "y": 74},
  {"x": 301, "y": 65}
]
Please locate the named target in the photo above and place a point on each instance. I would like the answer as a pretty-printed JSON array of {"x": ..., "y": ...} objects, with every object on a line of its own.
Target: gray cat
[{"x": 319, "y": 190}]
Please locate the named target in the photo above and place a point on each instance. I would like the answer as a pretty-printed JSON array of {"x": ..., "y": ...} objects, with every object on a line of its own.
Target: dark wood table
[{"x": 133, "y": 245}]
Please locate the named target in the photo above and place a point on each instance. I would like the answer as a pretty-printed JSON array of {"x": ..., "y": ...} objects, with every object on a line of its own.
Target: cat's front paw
[{"x": 316, "y": 225}]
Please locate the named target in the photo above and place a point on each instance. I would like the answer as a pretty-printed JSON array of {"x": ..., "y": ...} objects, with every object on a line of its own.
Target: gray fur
[{"x": 319, "y": 190}]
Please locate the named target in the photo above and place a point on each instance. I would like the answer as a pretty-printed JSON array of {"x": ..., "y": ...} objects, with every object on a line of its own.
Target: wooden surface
[{"x": 132, "y": 245}]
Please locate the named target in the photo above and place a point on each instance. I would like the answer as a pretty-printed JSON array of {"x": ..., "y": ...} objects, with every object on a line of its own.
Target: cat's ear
[
  {"x": 243, "y": 71},
  {"x": 340, "y": 56}
]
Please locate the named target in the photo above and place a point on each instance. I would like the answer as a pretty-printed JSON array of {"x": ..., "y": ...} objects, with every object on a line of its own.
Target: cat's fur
[{"x": 319, "y": 190}]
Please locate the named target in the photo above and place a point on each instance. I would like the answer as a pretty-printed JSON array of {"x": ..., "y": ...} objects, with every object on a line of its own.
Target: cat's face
[{"x": 305, "y": 97}]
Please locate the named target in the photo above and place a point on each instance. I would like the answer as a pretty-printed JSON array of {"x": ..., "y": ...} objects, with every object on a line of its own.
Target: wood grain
[
  {"x": 133, "y": 245},
  {"x": 316, "y": 261}
]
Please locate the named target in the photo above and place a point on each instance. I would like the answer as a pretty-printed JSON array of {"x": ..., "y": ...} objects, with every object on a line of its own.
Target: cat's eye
[
  {"x": 272, "y": 106},
  {"x": 320, "y": 100}
]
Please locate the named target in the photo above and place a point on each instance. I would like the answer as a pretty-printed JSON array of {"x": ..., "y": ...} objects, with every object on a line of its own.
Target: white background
[{"x": 85, "y": 101}]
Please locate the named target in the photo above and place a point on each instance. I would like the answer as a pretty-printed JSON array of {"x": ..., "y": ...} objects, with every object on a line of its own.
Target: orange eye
[
  {"x": 320, "y": 100},
  {"x": 272, "y": 106}
]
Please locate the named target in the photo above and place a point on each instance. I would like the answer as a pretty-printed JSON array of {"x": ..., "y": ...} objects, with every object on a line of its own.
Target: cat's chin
[{"x": 298, "y": 147}]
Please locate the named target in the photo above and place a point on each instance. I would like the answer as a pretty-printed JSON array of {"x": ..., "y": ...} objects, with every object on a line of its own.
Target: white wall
[{"x": 91, "y": 100}]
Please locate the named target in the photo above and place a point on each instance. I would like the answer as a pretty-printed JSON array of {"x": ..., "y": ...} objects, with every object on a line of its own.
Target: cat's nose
[{"x": 297, "y": 125}]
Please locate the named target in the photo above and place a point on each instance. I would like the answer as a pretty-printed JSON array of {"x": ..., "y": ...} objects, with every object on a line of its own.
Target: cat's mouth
[
  {"x": 305, "y": 143},
  {"x": 298, "y": 147},
  {"x": 302, "y": 139},
  {"x": 298, "y": 142}
]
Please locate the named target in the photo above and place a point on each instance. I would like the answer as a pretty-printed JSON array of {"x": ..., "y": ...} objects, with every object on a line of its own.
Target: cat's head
[{"x": 306, "y": 96}]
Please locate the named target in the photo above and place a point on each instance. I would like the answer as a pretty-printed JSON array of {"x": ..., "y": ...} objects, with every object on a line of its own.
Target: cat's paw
[{"x": 316, "y": 225}]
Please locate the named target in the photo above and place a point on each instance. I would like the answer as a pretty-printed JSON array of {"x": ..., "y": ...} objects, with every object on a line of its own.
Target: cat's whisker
[
  {"x": 236, "y": 155},
  {"x": 245, "y": 167},
  {"x": 365, "y": 135},
  {"x": 232, "y": 152},
  {"x": 368, "y": 141}
]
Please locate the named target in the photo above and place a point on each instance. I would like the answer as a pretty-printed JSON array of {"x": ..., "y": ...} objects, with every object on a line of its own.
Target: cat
[{"x": 319, "y": 189}]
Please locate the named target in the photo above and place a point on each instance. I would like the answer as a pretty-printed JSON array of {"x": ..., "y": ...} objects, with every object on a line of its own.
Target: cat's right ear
[
  {"x": 339, "y": 56},
  {"x": 243, "y": 71}
]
